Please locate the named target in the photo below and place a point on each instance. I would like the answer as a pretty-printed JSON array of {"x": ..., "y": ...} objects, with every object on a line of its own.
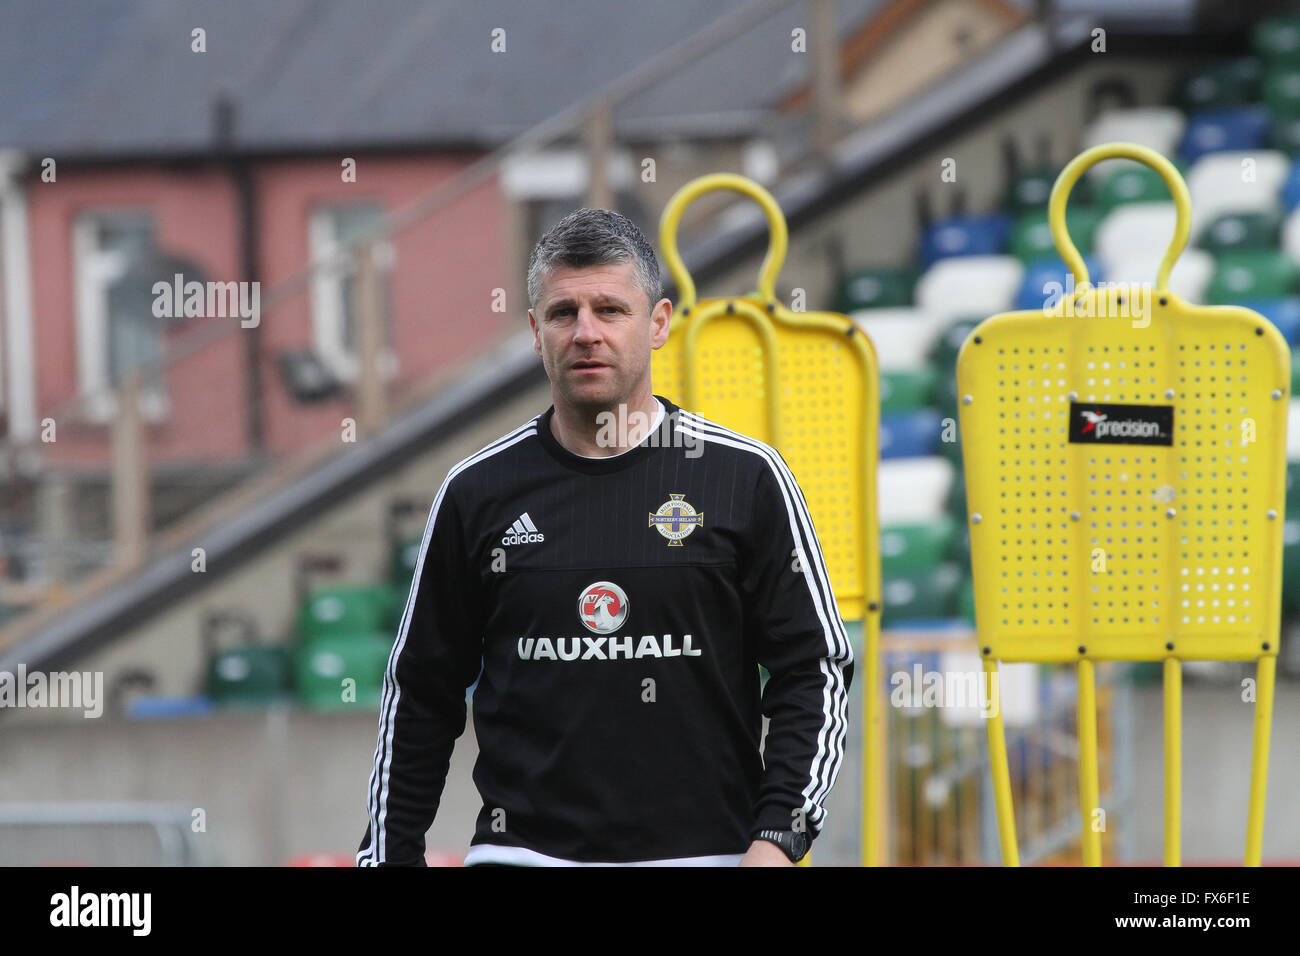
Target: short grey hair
[{"x": 594, "y": 237}]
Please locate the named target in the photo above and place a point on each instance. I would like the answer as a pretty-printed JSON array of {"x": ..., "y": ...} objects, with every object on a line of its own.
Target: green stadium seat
[
  {"x": 1284, "y": 136},
  {"x": 1238, "y": 231},
  {"x": 1029, "y": 190},
  {"x": 1251, "y": 275},
  {"x": 402, "y": 566},
  {"x": 923, "y": 595},
  {"x": 875, "y": 289},
  {"x": 966, "y": 601},
  {"x": 321, "y": 667},
  {"x": 906, "y": 549},
  {"x": 1280, "y": 90},
  {"x": 904, "y": 390},
  {"x": 956, "y": 501},
  {"x": 1133, "y": 182},
  {"x": 1276, "y": 40},
  {"x": 345, "y": 610},
  {"x": 1291, "y": 559},
  {"x": 250, "y": 675},
  {"x": 1031, "y": 236},
  {"x": 1217, "y": 87}
]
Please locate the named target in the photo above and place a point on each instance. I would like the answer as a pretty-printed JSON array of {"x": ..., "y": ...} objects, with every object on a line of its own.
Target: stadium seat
[
  {"x": 913, "y": 490},
  {"x": 1293, "y": 429},
  {"x": 1276, "y": 40},
  {"x": 1047, "y": 280},
  {"x": 1132, "y": 230},
  {"x": 902, "y": 337},
  {"x": 970, "y": 285},
  {"x": 910, "y": 434},
  {"x": 1290, "y": 194},
  {"x": 1235, "y": 181},
  {"x": 321, "y": 666},
  {"x": 345, "y": 610},
  {"x": 1159, "y": 128},
  {"x": 943, "y": 358},
  {"x": 905, "y": 549},
  {"x": 251, "y": 674},
  {"x": 1031, "y": 236},
  {"x": 1028, "y": 190},
  {"x": 1236, "y": 231},
  {"x": 1252, "y": 275},
  {"x": 402, "y": 565},
  {"x": 903, "y": 390},
  {"x": 1283, "y": 313},
  {"x": 966, "y": 600},
  {"x": 927, "y": 594},
  {"x": 875, "y": 289},
  {"x": 1223, "y": 85},
  {"x": 1212, "y": 131},
  {"x": 1284, "y": 135},
  {"x": 1189, "y": 278},
  {"x": 983, "y": 235},
  {"x": 1290, "y": 235},
  {"x": 1125, "y": 181},
  {"x": 1280, "y": 91}
]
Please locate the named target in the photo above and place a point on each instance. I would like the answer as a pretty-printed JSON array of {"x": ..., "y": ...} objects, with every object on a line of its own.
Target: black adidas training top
[{"x": 619, "y": 609}]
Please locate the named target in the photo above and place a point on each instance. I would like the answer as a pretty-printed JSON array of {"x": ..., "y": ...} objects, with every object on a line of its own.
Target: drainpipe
[
  {"x": 16, "y": 347},
  {"x": 241, "y": 174}
]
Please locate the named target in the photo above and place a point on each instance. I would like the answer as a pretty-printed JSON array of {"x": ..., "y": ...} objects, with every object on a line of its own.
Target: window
[
  {"x": 334, "y": 322},
  {"x": 116, "y": 329}
]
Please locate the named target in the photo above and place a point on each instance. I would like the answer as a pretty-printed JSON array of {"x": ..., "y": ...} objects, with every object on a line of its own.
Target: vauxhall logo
[
  {"x": 1122, "y": 424},
  {"x": 603, "y": 609}
]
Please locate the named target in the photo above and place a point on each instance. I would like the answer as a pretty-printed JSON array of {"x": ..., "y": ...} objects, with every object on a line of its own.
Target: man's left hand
[{"x": 763, "y": 853}]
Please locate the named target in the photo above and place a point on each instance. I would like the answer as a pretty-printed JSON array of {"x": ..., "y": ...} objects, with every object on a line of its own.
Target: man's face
[{"x": 594, "y": 330}]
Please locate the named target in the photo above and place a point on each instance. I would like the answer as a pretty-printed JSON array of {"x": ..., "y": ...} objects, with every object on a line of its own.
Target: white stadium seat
[
  {"x": 1189, "y": 279},
  {"x": 913, "y": 490},
  {"x": 903, "y": 337},
  {"x": 1244, "y": 181},
  {"x": 970, "y": 285},
  {"x": 1159, "y": 128},
  {"x": 1134, "y": 230},
  {"x": 1291, "y": 234}
]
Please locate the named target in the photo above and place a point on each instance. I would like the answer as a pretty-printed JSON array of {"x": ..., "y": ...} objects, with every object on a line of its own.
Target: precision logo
[{"x": 1122, "y": 424}]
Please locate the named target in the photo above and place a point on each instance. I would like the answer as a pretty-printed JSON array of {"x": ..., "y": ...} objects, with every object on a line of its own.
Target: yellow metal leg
[
  {"x": 1265, "y": 672},
  {"x": 1089, "y": 799},
  {"x": 873, "y": 763},
  {"x": 1173, "y": 761},
  {"x": 998, "y": 765}
]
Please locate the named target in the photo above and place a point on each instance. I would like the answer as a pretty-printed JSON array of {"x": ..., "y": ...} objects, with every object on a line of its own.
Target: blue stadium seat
[
  {"x": 910, "y": 434},
  {"x": 984, "y": 235},
  {"x": 1291, "y": 187},
  {"x": 1039, "y": 274},
  {"x": 1283, "y": 312},
  {"x": 1212, "y": 131}
]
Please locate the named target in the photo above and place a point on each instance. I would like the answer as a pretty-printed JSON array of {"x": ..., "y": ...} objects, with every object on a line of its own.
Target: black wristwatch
[{"x": 793, "y": 842}]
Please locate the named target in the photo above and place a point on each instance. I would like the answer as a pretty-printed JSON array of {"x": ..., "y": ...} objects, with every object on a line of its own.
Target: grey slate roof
[{"x": 114, "y": 78}]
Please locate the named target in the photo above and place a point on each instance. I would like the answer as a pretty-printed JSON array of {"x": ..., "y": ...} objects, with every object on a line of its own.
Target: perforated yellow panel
[
  {"x": 806, "y": 383},
  {"x": 798, "y": 382},
  {"x": 1126, "y": 551}
]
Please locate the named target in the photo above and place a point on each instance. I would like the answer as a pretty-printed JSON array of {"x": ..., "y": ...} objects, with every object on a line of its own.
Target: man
[{"x": 614, "y": 572}]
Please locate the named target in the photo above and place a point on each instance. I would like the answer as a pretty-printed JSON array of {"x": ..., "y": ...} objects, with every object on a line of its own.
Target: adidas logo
[{"x": 523, "y": 531}]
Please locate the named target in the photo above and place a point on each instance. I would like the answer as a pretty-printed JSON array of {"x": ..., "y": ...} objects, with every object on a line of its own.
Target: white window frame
[
  {"x": 94, "y": 270},
  {"x": 327, "y": 306}
]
